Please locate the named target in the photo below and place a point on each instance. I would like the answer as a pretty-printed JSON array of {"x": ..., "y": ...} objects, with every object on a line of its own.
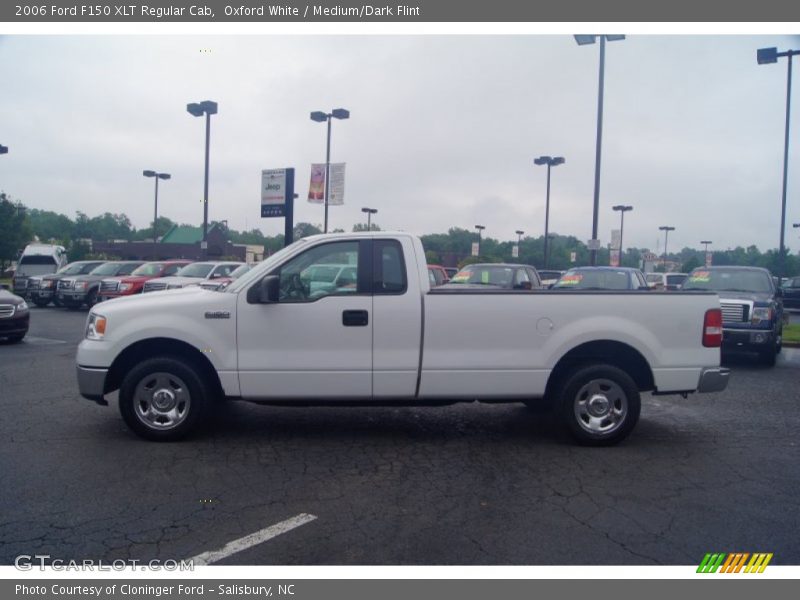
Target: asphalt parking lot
[{"x": 467, "y": 484}]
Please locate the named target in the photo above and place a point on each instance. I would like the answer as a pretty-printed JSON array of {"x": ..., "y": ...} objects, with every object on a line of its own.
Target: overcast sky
[{"x": 443, "y": 130}]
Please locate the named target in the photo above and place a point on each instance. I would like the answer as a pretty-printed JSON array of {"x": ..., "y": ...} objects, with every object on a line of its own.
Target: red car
[{"x": 116, "y": 287}]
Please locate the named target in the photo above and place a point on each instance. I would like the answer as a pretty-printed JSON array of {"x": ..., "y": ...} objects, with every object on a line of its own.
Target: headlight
[
  {"x": 95, "y": 327},
  {"x": 22, "y": 306},
  {"x": 80, "y": 285},
  {"x": 47, "y": 283},
  {"x": 124, "y": 287},
  {"x": 761, "y": 313}
]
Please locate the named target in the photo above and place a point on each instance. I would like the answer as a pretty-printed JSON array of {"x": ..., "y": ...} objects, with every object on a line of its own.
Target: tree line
[{"x": 18, "y": 226}]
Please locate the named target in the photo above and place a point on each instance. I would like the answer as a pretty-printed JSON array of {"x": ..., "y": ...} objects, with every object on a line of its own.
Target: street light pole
[
  {"x": 480, "y": 229},
  {"x": 666, "y": 229},
  {"x": 370, "y": 212},
  {"x": 198, "y": 109},
  {"x": 705, "y": 250},
  {"x": 584, "y": 40},
  {"x": 767, "y": 56},
  {"x": 320, "y": 116},
  {"x": 550, "y": 162},
  {"x": 622, "y": 210},
  {"x": 156, "y": 176}
]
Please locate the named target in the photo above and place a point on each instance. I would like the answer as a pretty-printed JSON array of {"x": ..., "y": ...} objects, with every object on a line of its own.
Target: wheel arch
[
  {"x": 610, "y": 352},
  {"x": 151, "y": 347}
]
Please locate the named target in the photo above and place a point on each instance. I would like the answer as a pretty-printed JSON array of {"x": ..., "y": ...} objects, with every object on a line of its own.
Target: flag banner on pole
[
  {"x": 316, "y": 187},
  {"x": 336, "y": 192}
]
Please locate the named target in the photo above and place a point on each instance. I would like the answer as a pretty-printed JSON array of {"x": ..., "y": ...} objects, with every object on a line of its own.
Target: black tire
[
  {"x": 614, "y": 414},
  {"x": 769, "y": 356},
  {"x": 91, "y": 298},
  {"x": 57, "y": 302},
  {"x": 41, "y": 303},
  {"x": 185, "y": 396}
]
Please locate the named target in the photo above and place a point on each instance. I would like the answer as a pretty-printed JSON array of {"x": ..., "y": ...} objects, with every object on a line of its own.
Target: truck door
[
  {"x": 316, "y": 341},
  {"x": 397, "y": 332}
]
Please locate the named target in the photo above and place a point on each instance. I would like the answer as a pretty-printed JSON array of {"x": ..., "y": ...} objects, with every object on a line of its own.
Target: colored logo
[{"x": 735, "y": 562}]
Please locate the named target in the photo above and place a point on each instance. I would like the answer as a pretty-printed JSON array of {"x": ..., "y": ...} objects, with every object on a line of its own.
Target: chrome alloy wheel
[
  {"x": 600, "y": 406},
  {"x": 162, "y": 401}
]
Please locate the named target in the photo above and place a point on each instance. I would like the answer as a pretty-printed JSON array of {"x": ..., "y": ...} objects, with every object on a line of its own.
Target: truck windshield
[
  {"x": 148, "y": 269},
  {"x": 195, "y": 270},
  {"x": 38, "y": 259},
  {"x": 729, "y": 280},
  {"x": 110, "y": 268}
]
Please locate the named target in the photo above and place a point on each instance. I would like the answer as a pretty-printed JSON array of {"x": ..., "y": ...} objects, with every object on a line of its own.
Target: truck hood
[
  {"x": 188, "y": 296},
  {"x": 756, "y": 297},
  {"x": 181, "y": 280}
]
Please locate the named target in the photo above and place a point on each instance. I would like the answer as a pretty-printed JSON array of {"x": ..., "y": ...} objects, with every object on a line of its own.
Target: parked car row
[{"x": 84, "y": 283}]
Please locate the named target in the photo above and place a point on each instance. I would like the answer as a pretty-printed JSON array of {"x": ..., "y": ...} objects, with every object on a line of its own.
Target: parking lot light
[
  {"x": 584, "y": 40},
  {"x": 550, "y": 162},
  {"x": 370, "y": 212},
  {"x": 156, "y": 176},
  {"x": 198, "y": 109},
  {"x": 322, "y": 117},
  {"x": 666, "y": 229},
  {"x": 766, "y": 56},
  {"x": 480, "y": 229},
  {"x": 622, "y": 209}
]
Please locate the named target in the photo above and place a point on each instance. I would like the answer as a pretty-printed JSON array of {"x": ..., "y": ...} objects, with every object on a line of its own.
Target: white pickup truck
[{"x": 377, "y": 334}]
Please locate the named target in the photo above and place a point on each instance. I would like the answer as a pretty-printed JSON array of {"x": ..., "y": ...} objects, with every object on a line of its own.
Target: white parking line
[
  {"x": 248, "y": 541},
  {"x": 44, "y": 341}
]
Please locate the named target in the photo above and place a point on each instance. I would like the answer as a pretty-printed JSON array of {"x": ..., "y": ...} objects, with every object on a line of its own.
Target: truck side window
[
  {"x": 389, "y": 269},
  {"x": 329, "y": 269}
]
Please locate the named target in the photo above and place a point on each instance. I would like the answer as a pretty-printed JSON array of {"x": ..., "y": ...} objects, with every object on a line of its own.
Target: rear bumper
[
  {"x": 713, "y": 380},
  {"x": 92, "y": 383}
]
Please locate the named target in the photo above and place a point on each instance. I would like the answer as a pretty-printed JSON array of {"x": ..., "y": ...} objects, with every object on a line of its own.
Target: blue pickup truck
[{"x": 752, "y": 308}]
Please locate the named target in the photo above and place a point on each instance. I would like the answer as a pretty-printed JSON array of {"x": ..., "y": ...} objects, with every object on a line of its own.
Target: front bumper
[
  {"x": 16, "y": 325},
  {"x": 713, "y": 380},
  {"x": 41, "y": 294},
  {"x": 73, "y": 297},
  {"x": 92, "y": 382},
  {"x": 747, "y": 338}
]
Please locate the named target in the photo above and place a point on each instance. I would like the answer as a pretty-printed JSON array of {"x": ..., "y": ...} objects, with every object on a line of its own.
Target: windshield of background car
[
  {"x": 488, "y": 275},
  {"x": 77, "y": 269},
  {"x": 37, "y": 259},
  {"x": 265, "y": 266},
  {"x": 106, "y": 269},
  {"x": 195, "y": 270},
  {"x": 602, "y": 279},
  {"x": 654, "y": 277},
  {"x": 675, "y": 279},
  {"x": 239, "y": 271},
  {"x": 728, "y": 280},
  {"x": 148, "y": 269}
]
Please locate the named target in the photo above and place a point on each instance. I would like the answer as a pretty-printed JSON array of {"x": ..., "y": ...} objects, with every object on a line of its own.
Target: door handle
[{"x": 355, "y": 318}]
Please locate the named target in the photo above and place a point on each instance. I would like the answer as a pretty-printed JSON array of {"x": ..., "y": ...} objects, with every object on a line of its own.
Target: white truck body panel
[{"x": 418, "y": 345}]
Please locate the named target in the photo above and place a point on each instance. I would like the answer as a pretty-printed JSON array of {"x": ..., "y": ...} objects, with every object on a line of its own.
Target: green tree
[
  {"x": 15, "y": 231},
  {"x": 692, "y": 263}
]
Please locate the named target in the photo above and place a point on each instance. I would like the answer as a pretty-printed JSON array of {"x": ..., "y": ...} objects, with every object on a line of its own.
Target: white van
[{"x": 37, "y": 259}]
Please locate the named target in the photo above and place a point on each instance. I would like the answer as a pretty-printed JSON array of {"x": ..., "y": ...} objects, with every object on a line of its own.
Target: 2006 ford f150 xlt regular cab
[{"x": 289, "y": 333}]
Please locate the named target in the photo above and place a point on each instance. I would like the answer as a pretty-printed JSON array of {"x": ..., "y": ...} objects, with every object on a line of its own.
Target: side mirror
[{"x": 265, "y": 291}]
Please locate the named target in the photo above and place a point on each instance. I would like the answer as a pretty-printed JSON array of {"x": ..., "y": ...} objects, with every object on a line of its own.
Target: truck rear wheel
[
  {"x": 599, "y": 404},
  {"x": 164, "y": 399}
]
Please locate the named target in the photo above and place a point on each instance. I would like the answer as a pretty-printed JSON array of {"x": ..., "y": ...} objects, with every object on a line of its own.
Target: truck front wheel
[
  {"x": 599, "y": 404},
  {"x": 164, "y": 399}
]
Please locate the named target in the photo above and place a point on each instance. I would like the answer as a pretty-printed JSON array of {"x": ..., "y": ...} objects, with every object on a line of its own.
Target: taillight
[{"x": 712, "y": 328}]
